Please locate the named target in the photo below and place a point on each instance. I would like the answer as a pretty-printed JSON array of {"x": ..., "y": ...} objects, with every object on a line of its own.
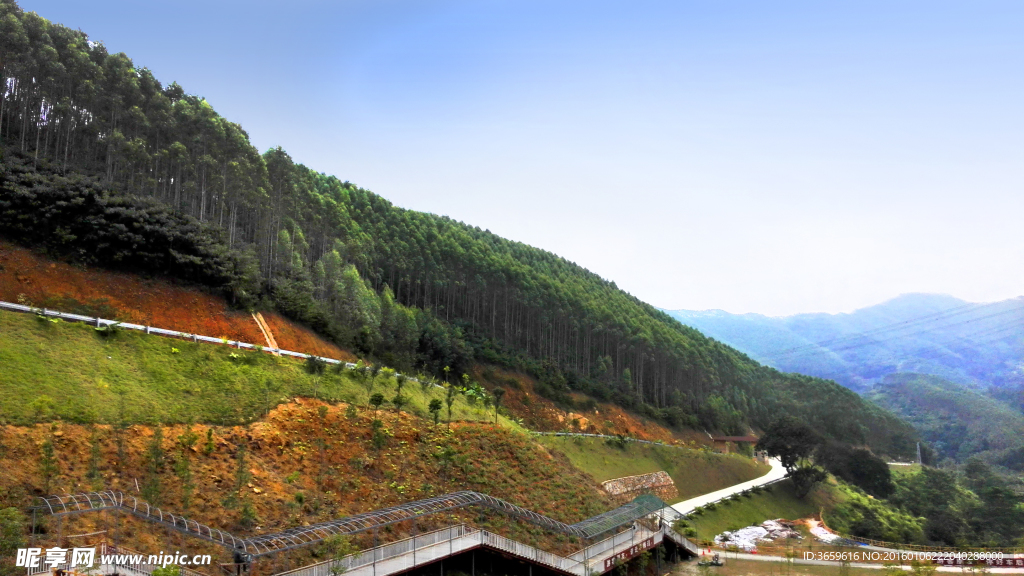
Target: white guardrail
[
  {"x": 610, "y": 437},
  {"x": 104, "y": 322}
]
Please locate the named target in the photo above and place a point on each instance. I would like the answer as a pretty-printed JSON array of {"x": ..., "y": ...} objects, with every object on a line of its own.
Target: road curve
[{"x": 687, "y": 506}]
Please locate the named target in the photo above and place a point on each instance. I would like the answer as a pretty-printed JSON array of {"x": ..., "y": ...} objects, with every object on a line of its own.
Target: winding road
[{"x": 776, "y": 473}]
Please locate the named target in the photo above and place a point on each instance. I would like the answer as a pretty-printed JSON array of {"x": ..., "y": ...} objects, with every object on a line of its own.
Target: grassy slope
[
  {"x": 87, "y": 376},
  {"x": 42, "y": 281},
  {"x": 778, "y": 501},
  {"x": 694, "y": 472},
  {"x": 845, "y": 508}
]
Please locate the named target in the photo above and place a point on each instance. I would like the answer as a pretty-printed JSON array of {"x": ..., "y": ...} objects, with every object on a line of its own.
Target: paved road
[{"x": 687, "y": 506}]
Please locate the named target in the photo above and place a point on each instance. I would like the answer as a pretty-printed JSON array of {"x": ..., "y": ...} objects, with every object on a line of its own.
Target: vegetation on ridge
[{"x": 176, "y": 189}]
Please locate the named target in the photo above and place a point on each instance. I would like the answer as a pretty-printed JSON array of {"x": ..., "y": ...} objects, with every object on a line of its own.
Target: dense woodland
[
  {"x": 106, "y": 164},
  {"x": 958, "y": 422}
]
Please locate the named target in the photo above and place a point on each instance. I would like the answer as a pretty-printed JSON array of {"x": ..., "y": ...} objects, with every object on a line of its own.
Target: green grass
[
  {"x": 777, "y": 501},
  {"x": 694, "y": 472},
  {"x": 69, "y": 371},
  {"x": 899, "y": 471}
]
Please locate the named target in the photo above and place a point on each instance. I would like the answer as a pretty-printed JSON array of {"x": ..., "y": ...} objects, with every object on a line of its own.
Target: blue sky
[{"x": 774, "y": 157}]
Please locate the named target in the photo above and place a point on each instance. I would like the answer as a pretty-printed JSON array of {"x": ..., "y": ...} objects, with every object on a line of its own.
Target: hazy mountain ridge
[{"x": 969, "y": 343}]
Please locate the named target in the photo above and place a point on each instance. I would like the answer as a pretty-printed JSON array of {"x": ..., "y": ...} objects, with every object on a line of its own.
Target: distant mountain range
[{"x": 967, "y": 343}]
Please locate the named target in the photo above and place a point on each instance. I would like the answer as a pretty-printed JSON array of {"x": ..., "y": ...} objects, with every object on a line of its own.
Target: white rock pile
[
  {"x": 748, "y": 538},
  {"x": 824, "y": 535}
]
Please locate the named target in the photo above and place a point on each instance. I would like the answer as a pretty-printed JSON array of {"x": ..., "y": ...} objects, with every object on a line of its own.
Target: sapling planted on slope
[
  {"x": 499, "y": 393},
  {"x": 435, "y": 408}
]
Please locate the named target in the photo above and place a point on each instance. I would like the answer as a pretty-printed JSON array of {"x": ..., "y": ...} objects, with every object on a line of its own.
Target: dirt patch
[
  {"x": 306, "y": 462},
  {"x": 27, "y": 277},
  {"x": 541, "y": 414}
]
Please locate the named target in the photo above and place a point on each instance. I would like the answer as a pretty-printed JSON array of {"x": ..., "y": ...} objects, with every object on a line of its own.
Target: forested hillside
[
  {"x": 957, "y": 421},
  {"x": 105, "y": 164}
]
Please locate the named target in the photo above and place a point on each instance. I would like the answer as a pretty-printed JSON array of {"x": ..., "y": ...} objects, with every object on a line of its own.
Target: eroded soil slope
[
  {"x": 308, "y": 461},
  {"x": 30, "y": 278}
]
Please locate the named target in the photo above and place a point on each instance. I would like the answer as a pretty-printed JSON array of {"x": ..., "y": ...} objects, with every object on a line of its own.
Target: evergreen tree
[
  {"x": 435, "y": 407},
  {"x": 152, "y": 487},
  {"x": 242, "y": 476},
  {"x": 183, "y": 467},
  {"x": 499, "y": 393},
  {"x": 450, "y": 393},
  {"x": 48, "y": 467},
  {"x": 93, "y": 474}
]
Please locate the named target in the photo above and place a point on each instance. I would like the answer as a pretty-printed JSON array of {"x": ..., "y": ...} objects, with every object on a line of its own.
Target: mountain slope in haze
[
  {"x": 131, "y": 174},
  {"x": 958, "y": 422},
  {"x": 922, "y": 333}
]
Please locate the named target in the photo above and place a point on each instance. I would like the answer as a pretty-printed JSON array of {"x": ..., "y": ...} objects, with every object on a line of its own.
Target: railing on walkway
[
  {"x": 682, "y": 541},
  {"x": 429, "y": 547},
  {"x": 605, "y": 545},
  {"x": 381, "y": 553},
  {"x": 530, "y": 553}
]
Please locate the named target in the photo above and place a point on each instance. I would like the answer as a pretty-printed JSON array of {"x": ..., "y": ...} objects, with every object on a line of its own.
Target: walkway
[
  {"x": 774, "y": 475},
  {"x": 407, "y": 554}
]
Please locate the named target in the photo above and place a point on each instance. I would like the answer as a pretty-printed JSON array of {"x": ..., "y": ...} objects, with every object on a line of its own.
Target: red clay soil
[
  {"x": 306, "y": 462},
  {"x": 27, "y": 277},
  {"x": 298, "y": 338}
]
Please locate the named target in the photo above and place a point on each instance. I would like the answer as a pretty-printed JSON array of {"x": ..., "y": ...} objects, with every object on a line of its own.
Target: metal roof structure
[
  {"x": 641, "y": 507},
  {"x": 96, "y": 501},
  {"x": 590, "y": 528}
]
